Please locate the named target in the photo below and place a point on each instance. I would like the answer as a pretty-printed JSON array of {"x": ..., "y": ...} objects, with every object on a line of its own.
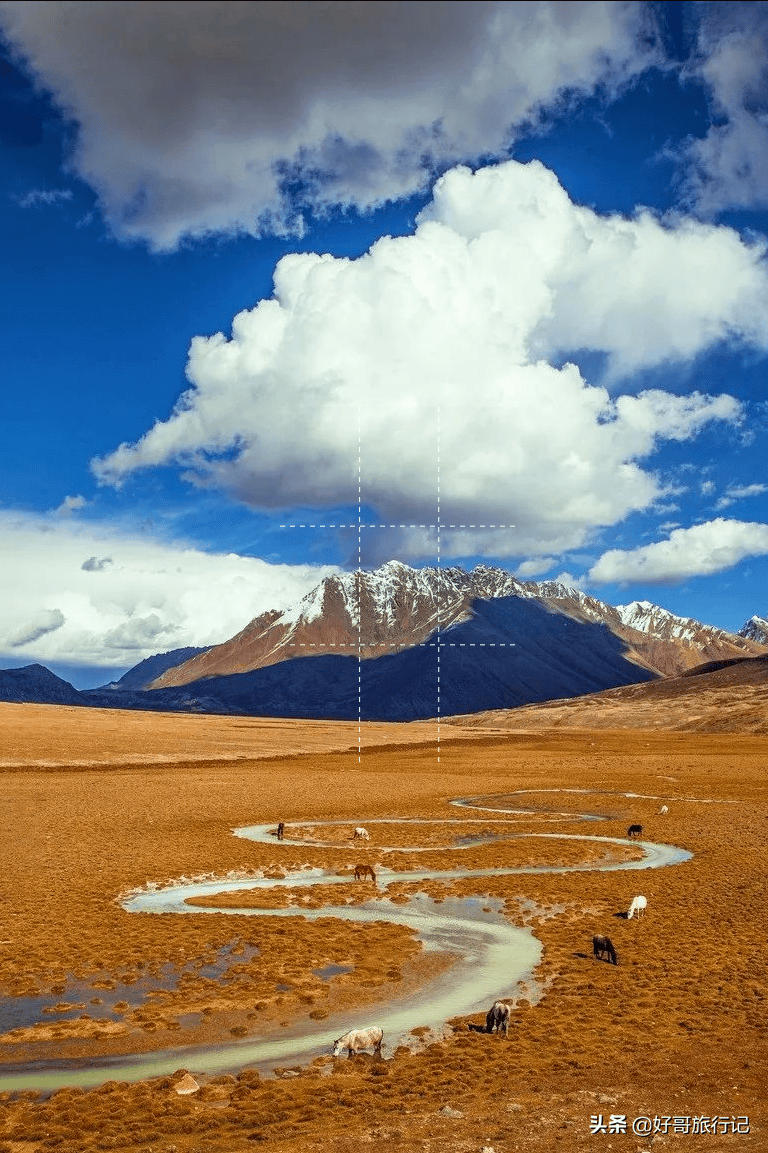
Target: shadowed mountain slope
[{"x": 36, "y": 684}]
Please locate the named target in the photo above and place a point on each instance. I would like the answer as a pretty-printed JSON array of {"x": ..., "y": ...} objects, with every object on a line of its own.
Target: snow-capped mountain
[
  {"x": 755, "y": 629},
  {"x": 366, "y": 614},
  {"x": 395, "y": 607}
]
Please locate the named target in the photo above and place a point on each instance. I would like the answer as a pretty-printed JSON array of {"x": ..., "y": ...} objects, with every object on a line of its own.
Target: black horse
[
  {"x": 603, "y": 946},
  {"x": 635, "y": 831}
]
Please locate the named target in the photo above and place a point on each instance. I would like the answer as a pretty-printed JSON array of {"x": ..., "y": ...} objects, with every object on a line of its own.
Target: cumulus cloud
[
  {"x": 151, "y": 596},
  {"x": 44, "y": 622},
  {"x": 702, "y": 550},
  {"x": 196, "y": 118},
  {"x": 728, "y": 167},
  {"x": 736, "y": 492},
  {"x": 455, "y": 336}
]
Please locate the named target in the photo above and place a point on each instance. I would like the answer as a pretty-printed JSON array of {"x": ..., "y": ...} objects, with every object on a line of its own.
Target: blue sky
[{"x": 516, "y": 252}]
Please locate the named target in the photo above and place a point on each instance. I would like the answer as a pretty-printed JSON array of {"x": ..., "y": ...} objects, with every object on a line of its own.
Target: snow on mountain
[{"x": 755, "y": 629}]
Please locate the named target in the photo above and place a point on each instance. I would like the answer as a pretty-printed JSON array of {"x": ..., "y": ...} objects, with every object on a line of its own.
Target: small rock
[
  {"x": 449, "y": 1111},
  {"x": 186, "y": 1085},
  {"x": 488, "y": 1149},
  {"x": 513, "y": 1107},
  {"x": 604, "y": 1099}
]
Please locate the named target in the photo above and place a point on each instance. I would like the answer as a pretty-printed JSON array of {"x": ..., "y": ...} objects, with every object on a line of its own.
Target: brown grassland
[{"x": 97, "y": 803}]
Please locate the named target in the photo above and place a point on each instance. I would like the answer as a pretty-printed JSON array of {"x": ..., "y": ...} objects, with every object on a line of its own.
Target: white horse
[
  {"x": 358, "y": 1039},
  {"x": 664, "y": 809},
  {"x": 638, "y": 906},
  {"x": 361, "y": 834}
]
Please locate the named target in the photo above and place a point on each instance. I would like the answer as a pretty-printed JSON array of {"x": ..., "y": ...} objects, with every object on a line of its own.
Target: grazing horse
[
  {"x": 280, "y": 831},
  {"x": 360, "y": 834},
  {"x": 363, "y": 871},
  {"x": 497, "y": 1017},
  {"x": 638, "y": 906},
  {"x": 604, "y": 945},
  {"x": 664, "y": 809},
  {"x": 358, "y": 1039},
  {"x": 635, "y": 831}
]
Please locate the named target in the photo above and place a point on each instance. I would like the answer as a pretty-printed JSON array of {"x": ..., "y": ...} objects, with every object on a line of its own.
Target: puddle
[
  {"x": 329, "y": 971},
  {"x": 89, "y": 998}
]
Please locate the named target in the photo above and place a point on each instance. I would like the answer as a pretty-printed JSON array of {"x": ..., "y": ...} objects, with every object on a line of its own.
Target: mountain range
[{"x": 400, "y": 643}]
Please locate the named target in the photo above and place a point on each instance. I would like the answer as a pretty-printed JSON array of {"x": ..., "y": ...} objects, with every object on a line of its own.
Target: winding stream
[{"x": 493, "y": 956}]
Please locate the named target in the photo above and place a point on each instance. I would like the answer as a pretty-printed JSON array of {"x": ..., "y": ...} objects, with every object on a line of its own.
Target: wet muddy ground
[{"x": 675, "y": 1032}]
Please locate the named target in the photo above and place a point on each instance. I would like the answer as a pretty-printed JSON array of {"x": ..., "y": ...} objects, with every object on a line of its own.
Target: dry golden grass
[{"x": 99, "y": 803}]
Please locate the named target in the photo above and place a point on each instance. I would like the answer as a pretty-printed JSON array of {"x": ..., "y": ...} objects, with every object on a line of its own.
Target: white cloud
[
  {"x": 728, "y": 167},
  {"x": 702, "y": 550},
  {"x": 570, "y": 581},
  {"x": 43, "y": 622},
  {"x": 535, "y": 567},
  {"x": 45, "y": 196},
  {"x": 502, "y": 273},
  {"x": 192, "y": 116},
  {"x": 71, "y": 504},
  {"x": 149, "y": 596},
  {"x": 736, "y": 492}
]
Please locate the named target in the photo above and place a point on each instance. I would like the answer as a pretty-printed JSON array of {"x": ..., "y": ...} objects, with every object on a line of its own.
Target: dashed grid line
[
  {"x": 359, "y": 526},
  {"x": 405, "y": 644},
  {"x": 359, "y": 598},
  {"x": 438, "y": 584}
]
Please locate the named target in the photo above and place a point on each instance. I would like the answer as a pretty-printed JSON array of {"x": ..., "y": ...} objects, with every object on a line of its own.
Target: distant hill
[
  {"x": 718, "y": 697},
  {"x": 38, "y": 685},
  {"x": 143, "y": 674}
]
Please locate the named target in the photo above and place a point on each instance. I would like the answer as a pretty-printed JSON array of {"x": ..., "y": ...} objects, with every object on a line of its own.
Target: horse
[
  {"x": 638, "y": 906},
  {"x": 635, "y": 831},
  {"x": 664, "y": 809},
  {"x": 497, "y": 1017},
  {"x": 363, "y": 871},
  {"x": 360, "y": 834},
  {"x": 604, "y": 945},
  {"x": 356, "y": 1040},
  {"x": 280, "y": 831}
]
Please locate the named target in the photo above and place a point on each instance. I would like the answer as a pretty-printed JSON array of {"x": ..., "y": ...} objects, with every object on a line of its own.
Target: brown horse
[
  {"x": 280, "y": 831},
  {"x": 603, "y": 947},
  {"x": 363, "y": 871}
]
